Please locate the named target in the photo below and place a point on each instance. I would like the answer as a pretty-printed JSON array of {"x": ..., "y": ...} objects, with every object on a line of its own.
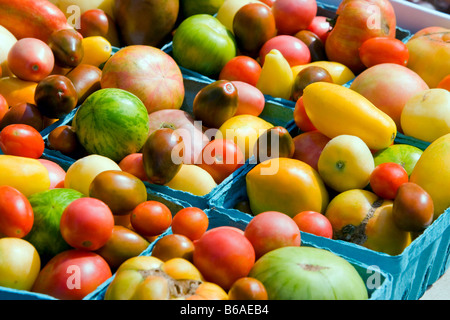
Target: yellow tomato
[
  {"x": 244, "y": 130},
  {"x": 19, "y": 263},
  {"x": 346, "y": 163},
  {"x": 426, "y": 115},
  {"x": 25, "y": 174},
  {"x": 429, "y": 54},
  {"x": 179, "y": 268},
  {"x": 193, "y": 179},
  {"x": 285, "y": 185},
  {"x": 340, "y": 73},
  {"x": 335, "y": 110},
  {"x": 372, "y": 221},
  {"x": 432, "y": 173},
  {"x": 276, "y": 76},
  {"x": 96, "y": 50},
  {"x": 7, "y": 40},
  {"x": 15, "y": 90},
  {"x": 81, "y": 173}
]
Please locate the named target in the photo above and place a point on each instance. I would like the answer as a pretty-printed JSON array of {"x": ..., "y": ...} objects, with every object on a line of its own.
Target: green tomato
[{"x": 204, "y": 45}]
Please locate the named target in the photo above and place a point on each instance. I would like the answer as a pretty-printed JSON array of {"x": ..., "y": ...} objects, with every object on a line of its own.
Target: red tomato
[
  {"x": 380, "y": 50},
  {"x": 16, "y": 213},
  {"x": 386, "y": 178},
  {"x": 294, "y": 50},
  {"x": 134, "y": 164},
  {"x": 241, "y": 68},
  {"x": 223, "y": 255},
  {"x": 72, "y": 274},
  {"x": 321, "y": 27},
  {"x": 301, "y": 119},
  {"x": 292, "y": 16},
  {"x": 268, "y": 2},
  {"x": 31, "y": 59},
  {"x": 221, "y": 157},
  {"x": 3, "y": 106},
  {"x": 151, "y": 218},
  {"x": 87, "y": 223},
  {"x": 315, "y": 223},
  {"x": 191, "y": 222},
  {"x": 21, "y": 140}
]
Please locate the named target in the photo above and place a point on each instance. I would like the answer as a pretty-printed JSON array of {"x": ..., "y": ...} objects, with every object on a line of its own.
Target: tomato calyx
[
  {"x": 357, "y": 234},
  {"x": 178, "y": 288}
]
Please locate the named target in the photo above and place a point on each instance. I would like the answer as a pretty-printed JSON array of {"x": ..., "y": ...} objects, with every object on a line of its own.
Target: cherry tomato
[
  {"x": 191, "y": 222},
  {"x": 16, "y": 213},
  {"x": 383, "y": 50},
  {"x": 301, "y": 119},
  {"x": 321, "y": 27},
  {"x": 221, "y": 157},
  {"x": 31, "y": 59},
  {"x": 134, "y": 164},
  {"x": 173, "y": 245},
  {"x": 315, "y": 223},
  {"x": 64, "y": 139},
  {"x": 386, "y": 178},
  {"x": 151, "y": 218},
  {"x": 94, "y": 22},
  {"x": 247, "y": 288},
  {"x": 87, "y": 223},
  {"x": 21, "y": 140},
  {"x": 241, "y": 68}
]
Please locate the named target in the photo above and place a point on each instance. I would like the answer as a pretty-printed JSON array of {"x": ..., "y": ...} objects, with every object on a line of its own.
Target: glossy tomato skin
[
  {"x": 64, "y": 139},
  {"x": 386, "y": 178},
  {"x": 25, "y": 113},
  {"x": 274, "y": 143},
  {"x": 16, "y": 213},
  {"x": 3, "y": 105},
  {"x": 315, "y": 223},
  {"x": 191, "y": 222},
  {"x": 157, "y": 155},
  {"x": 314, "y": 43},
  {"x": 293, "y": 50},
  {"x": 241, "y": 68},
  {"x": 173, "y": 245},
  {"x": 134, "y": 164},
  {"x": 72, "y": 274},
  {"x": 321, "y": 27},
  {"x": 31, "y": 59},
  {"x": 301, "y": 118},
  {"x": 55, "y": 172},
  {"x": 253, "y": 25},
  {"x": 55, "y": 96},
  {"x": 21, "y": 140},
  {"x": 87, "y": 223},
  {"x": 221, "y": 157},
  {"x": 67, "y": 47},
  {"x": 151, "y": 218},
  {"x": 94, "y": 22},
  {"x": 307, "y": 76},
  {"x": 247, "y": 288},
  {"x": 292, "y": 16},
  {"x": 120, "y": 190},
  {"x": 383, "y": 50},
  {"x": 225, "y": 266}
]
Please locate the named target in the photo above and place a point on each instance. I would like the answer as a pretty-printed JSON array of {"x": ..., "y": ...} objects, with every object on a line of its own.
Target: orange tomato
[{"x": 191, "y": 222}]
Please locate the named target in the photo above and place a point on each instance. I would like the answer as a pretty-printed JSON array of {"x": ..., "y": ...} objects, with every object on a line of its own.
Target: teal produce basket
[
  {"x": 172, "y": 203},
  {"x": 377, "y": 290}
]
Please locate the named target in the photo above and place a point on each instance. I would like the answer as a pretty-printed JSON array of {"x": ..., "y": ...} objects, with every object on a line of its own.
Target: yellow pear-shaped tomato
[
  {"x": 335, "y": 110},
  {"x": 193, "y": 179},
  {"x": 25, "y": 174},
  {"x": 285, "y": 185},
  {"x": 432, "y": 173}
]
